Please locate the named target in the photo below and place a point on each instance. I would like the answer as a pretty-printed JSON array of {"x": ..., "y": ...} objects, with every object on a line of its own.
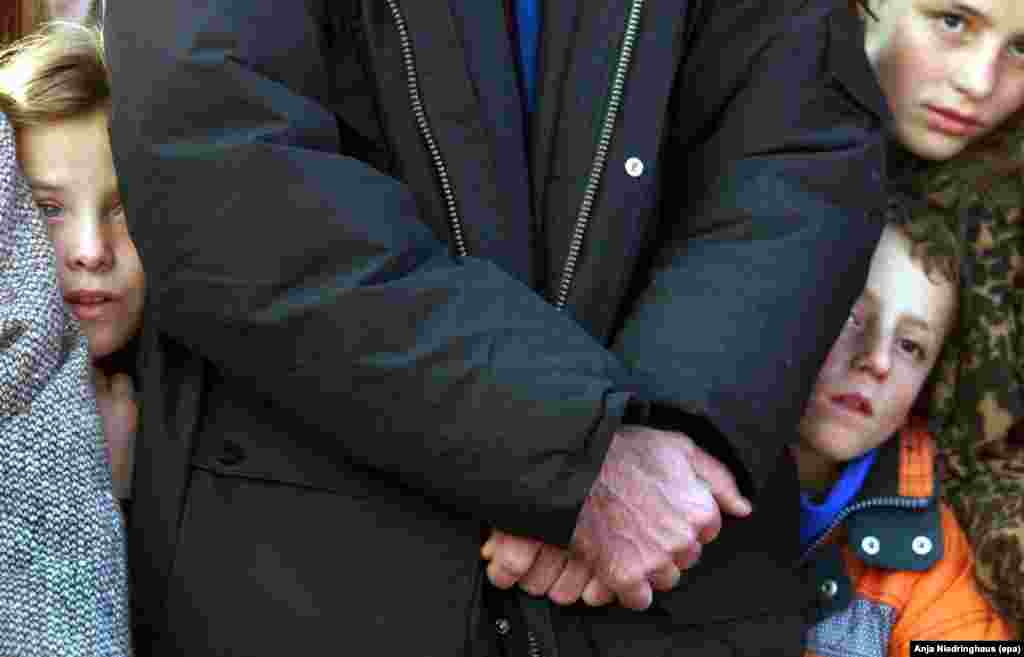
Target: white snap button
[
  {"x": 871, "y": 545},
  {"x": 634, "y": 167},
  {"x": 829, "y": 588},
  {"x": 922, "y": 545}
]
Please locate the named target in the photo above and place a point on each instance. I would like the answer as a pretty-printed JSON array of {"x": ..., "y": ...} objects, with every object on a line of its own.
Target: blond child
[{"x": 55, "y": 90}]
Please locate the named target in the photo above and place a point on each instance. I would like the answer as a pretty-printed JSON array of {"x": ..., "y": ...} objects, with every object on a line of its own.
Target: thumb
[{"x": 720, "y": 482}]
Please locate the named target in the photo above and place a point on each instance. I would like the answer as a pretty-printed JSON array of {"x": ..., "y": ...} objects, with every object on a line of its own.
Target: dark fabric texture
[{"x": 338, "y": 406}]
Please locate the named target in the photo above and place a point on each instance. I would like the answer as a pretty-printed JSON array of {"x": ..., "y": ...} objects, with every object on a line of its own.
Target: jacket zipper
[
  {"x": 597, "y": 164},
  {"x": 423, "y": 125},
  {"x": 593, "y": 179},
  {"x": 533, "y": 645},
  {"x": 900, "y": 502},
  {"x": 600, "y": 155}
]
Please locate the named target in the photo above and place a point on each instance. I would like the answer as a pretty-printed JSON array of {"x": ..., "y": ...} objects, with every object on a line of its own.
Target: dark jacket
[{"x": 354, "y": 357}]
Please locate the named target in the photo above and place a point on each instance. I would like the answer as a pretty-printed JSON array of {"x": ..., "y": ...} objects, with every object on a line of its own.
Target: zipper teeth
[
  {"x": 601, "y": 154},
  {"x": 413, "y": 87},
  {"x": 900, "y": 502},
  {"x": 533, "y": 645}
]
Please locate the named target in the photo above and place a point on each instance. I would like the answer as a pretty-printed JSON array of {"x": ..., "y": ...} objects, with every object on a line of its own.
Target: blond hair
[{"x": 56, "y": 73}]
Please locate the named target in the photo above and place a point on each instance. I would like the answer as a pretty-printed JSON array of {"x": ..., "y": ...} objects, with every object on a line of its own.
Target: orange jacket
[{"x": 896, "y": 566}]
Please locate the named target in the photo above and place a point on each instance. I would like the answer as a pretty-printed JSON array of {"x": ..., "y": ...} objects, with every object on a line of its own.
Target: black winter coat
[{"x": 372, "y": 333}]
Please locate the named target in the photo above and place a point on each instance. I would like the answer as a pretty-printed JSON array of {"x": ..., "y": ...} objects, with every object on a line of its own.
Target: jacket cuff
[{"x": 559, "y": 530}]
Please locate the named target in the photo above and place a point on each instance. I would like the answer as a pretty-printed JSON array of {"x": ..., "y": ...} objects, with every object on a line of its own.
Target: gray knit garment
[{"x": 63, "y": 588}]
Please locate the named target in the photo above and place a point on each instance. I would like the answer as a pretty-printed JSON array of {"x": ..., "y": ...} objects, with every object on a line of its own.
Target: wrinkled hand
[
  {"x": 566, "y": 576},
  {"x": 115, "y": 397},
  {"x": 654, "y": 505}
]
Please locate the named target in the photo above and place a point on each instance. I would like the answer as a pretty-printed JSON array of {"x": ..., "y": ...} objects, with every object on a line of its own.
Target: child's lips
[
  {"x": 854, "y": 402},
  {"x": 90, "y": 304}
]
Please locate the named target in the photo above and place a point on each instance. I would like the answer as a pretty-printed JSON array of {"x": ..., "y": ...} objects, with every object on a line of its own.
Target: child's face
[
  {"x": 952, "y": 70},
  {"x": 882, "y": 357},
  {"x": 71, "y": 171}
]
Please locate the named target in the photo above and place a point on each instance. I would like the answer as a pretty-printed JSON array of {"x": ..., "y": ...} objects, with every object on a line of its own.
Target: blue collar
[{"x": 816, "y": 518}]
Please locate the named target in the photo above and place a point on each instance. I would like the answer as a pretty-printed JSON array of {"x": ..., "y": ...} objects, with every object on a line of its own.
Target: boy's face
[
  {"x": 71, "y": 171},
  {"x": 952, "y": 70},
  {"x": 882, "y": 357}
]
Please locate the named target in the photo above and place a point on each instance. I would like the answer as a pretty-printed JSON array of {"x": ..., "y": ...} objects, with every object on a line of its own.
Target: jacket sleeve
[
  {"x": 945, "y": 604},
  {"x": 311, "y": 275},
  {"x": 771, "y": 209}
]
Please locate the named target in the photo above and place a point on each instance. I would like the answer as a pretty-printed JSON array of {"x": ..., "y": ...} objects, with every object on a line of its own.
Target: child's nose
[
  {"x": 89, "y": 249},
  {"x": 874, "y": 358}
]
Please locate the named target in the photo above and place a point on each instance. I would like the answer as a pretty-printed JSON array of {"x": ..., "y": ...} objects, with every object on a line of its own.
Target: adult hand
[
  {"x": 115, "y": 397},
  {"x": 541, "y": 569},
  {"x": 653, "y": 506}
]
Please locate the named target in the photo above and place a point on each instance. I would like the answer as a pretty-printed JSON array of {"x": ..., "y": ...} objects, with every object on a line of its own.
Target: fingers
[
  {"x": 549, "y": 565},
  {"x": 511, "y": 558},
  {"x": 596, "y": 594},
  {"x": 708, "y": 529},
  {"x": 637, "y": 597},
  {"x": 665, "y": 578},
  {"x": 720, "y": 482},
  {"x": 570, "y": 584}
]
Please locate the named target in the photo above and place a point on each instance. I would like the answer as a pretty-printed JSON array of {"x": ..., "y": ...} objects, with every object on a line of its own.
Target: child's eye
[
  {"x": 1017, "y": 50},
  {"x": 912, "y": 348},
  {"x": 950, "y": 22},
  {"x": 50, "y": 211}
]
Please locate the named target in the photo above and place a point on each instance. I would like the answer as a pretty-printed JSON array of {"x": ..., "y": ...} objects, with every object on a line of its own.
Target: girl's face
[
  {"x": 71, "y": 171},
  {"x": 952, "y": 70}
]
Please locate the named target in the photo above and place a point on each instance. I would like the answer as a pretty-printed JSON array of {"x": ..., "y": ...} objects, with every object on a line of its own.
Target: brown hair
[
  {"x": 942, "y": 262},
  {"x": 55, "y": 73}
]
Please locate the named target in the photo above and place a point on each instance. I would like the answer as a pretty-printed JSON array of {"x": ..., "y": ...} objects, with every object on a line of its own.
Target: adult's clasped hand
[{"x": 657, "y": 500}]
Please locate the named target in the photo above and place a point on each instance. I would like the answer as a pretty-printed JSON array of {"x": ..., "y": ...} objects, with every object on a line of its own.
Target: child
[
  {"x": 892, "y": 562},
  {"x": 63, "y": 584},
  {"x": 869, "y": 475},
  {"x": 58, "y": 96}
]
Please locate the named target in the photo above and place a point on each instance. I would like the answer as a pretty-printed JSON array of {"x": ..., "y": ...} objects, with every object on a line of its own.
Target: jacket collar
[
  {"x": 905, "y": 467},
  {"x": 897, "y": 521}
]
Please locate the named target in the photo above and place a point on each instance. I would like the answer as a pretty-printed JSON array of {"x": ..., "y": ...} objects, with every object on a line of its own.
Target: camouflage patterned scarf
[{"x": 63, "y": 590}]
